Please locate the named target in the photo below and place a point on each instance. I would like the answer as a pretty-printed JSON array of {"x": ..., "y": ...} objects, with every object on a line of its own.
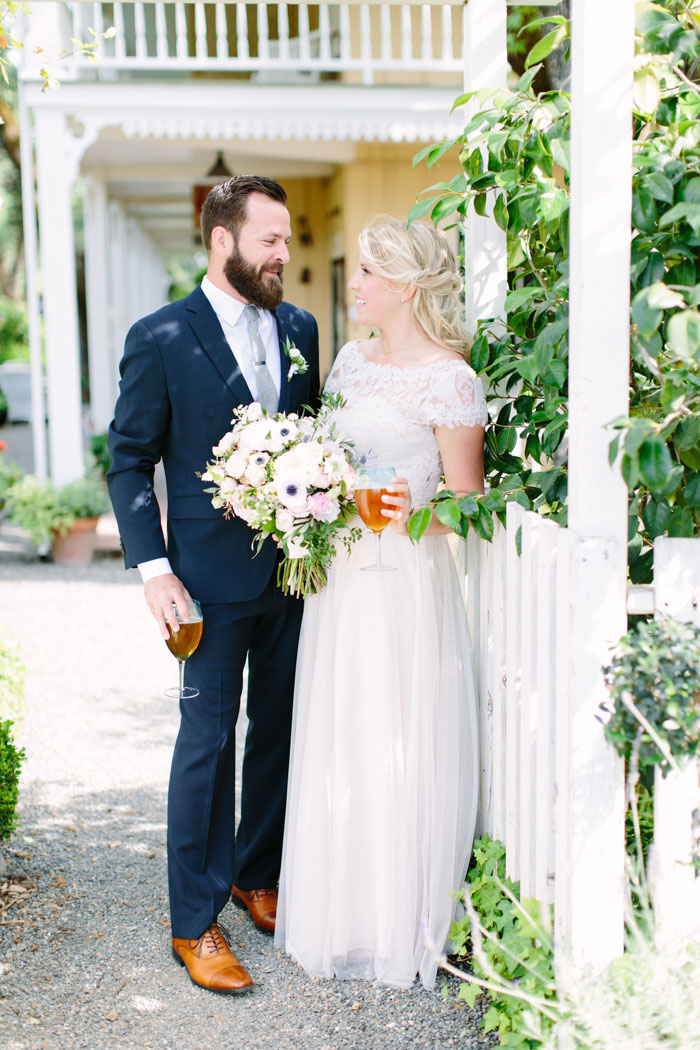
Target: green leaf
[
  {"x": 525, "y": 82},
  {"x": 555, "y": 373},
  {"x": 560, "y": 152},
  {"x": 421, "y": 208},
  {"x": 683, "y": 212},
  {"x": 469, "y": 506},
  {"x": 418, "y": 522},
  {"x": 547, "y": 44},
  {"x": 687, "y": 433},
  {"x": 656, "y": 517},
  {"x": 521, "y": 296},
  {"x": 480, "y": 353},
  {"x": 494, "y": 501},
  {"x": 691, "y": 492},
  {"x": 447, "y": 511},
  {"x": 500, "y": 211},
  {"x": 654, "y": 463},
  {"x": 659, "y": 187},
  {"x": 683, "y": 333},
  {"x": 483, "y": 524},
  {"x": 646, "y": 91},
  {"x": 643, "y": 210},
  {"x": 681, "y": 523},
  {"x": 691, "y": 191}
]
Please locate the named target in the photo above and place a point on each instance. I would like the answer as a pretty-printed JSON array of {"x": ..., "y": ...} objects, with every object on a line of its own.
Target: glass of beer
[
  {"x": 370, "y": 485},
  {"x": 182, "y": 644}
]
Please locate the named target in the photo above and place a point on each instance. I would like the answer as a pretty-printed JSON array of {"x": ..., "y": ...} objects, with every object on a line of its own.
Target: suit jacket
[{"x": 180, "y": 382}]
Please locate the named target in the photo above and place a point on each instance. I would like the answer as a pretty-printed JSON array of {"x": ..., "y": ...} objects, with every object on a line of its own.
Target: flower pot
[{"x": 76, "y": 547}]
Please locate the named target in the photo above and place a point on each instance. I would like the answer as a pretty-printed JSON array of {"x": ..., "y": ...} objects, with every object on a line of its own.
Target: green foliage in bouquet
[
  {"x": 11, "y": 759},
  {"x": 516, "y": 147}
]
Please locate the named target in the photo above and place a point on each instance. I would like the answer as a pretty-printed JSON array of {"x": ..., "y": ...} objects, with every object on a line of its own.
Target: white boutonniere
[{"x": 298, "y": 363}]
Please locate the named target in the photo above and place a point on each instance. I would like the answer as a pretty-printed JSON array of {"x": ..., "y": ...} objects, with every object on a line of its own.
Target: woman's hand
[{"x": 398, "y": 505}]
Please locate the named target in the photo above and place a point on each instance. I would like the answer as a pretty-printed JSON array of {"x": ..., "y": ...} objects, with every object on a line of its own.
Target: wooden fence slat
[{"x": 514, "y": 518}]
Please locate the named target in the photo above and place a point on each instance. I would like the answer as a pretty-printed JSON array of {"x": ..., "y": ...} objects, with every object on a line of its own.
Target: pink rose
[{"x": 322, "y": 508}]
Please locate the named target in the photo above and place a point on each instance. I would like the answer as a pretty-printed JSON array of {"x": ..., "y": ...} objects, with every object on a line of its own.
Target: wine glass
[
  {"x": 370, "y": 485},
  {"x": 182, "y": 644}
]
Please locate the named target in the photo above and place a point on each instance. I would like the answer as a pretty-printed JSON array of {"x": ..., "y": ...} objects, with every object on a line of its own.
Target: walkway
[{"x": 85, "y": 958}]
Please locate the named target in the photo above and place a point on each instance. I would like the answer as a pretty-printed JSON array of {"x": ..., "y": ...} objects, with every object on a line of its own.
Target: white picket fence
[{"x": 519, "y": 608}]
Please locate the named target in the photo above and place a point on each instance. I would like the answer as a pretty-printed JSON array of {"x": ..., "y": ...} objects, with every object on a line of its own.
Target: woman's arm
[{"x": 462, "y": 454}]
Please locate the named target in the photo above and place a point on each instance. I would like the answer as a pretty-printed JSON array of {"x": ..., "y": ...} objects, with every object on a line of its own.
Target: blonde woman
[{"x": 383, "y": 778}]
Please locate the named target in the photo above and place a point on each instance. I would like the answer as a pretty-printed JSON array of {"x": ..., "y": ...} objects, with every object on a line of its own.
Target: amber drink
[
  {"x": 182, "y": 643},
  {"x": 371, "y": 485}
]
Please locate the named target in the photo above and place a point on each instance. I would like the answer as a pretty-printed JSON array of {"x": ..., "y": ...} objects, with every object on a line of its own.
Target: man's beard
[{"x": 262, "y": 288}]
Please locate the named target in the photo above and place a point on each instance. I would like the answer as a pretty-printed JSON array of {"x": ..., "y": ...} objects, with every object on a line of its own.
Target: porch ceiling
[{"x": 152, "y": 142}]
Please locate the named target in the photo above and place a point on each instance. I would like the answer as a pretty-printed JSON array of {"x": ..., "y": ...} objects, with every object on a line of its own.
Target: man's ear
[{"x": 221, "y": 242}]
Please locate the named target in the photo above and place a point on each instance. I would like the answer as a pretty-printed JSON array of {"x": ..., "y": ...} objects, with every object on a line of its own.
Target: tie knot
[{"x": 251, "y": 317}]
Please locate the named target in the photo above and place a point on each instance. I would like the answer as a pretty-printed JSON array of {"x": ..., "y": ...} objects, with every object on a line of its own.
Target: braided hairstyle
[{"x": 419, "y": 255}]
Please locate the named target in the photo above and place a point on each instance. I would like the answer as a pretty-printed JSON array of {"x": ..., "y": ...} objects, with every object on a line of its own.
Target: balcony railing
[{"x": 302, "y": 40}]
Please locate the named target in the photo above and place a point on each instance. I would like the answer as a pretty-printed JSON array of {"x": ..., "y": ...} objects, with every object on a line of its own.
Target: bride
[{"x": 383, "y": 775}]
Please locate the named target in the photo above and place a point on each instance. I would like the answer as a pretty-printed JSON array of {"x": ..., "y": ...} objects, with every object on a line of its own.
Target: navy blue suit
[{"x": 180, "y": 382}]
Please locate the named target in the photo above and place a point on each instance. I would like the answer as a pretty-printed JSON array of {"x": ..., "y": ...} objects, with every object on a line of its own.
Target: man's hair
[{"x": 226, "y": 204}]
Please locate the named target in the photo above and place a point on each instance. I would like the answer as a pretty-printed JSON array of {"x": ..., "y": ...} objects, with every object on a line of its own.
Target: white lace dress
[{"x": 383, "y": 773}]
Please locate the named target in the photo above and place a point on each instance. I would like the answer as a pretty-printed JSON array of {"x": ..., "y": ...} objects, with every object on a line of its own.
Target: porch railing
[{"x": 307, "y": 39}]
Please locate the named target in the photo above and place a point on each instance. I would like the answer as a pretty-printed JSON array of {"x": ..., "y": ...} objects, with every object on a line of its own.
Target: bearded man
[{"x": 184, "y": 370}]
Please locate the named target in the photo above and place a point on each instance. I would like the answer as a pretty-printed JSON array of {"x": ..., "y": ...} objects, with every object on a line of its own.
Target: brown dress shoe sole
[
  {"x": 244, "y": 907},
  {"x": 216, "y": 991}
]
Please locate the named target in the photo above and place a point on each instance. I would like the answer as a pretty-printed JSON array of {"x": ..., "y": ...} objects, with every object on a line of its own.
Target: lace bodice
[{"x": 390, "y": 413}]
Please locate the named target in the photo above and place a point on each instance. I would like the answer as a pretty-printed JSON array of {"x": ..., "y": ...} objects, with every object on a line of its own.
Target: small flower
[
  {"x": 227, "y": 442},
  {"x": 322, "y": 508},
  {"x": 235, "y": 465},
  {"x": 292, "y": 493},
  {"x": 258, "y": 459},
  {"x": 256, "y": 476},
  {"x": 254, "y": 412},
  {"x": 284, "y": 520},
  {"x": 298, "y": 364}
]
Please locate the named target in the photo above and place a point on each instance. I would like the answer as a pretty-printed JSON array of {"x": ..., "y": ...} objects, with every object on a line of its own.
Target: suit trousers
[{"x": 205, "y": 854}]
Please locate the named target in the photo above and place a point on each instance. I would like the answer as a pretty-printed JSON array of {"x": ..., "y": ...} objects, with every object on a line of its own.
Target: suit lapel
[
  {"x": 282, "y": 333},
  {"x": 206, "y": 327}
]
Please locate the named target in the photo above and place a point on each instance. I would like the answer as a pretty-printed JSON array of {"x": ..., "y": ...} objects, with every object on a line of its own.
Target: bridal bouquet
[{"x": 291, "y": 479}]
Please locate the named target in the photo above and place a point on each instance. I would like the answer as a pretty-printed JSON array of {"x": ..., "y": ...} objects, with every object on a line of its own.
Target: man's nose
[{"x": 283, "y": 254}]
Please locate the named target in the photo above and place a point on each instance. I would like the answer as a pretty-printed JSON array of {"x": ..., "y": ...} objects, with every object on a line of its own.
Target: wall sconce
[
  {"x": 304, "y": 236},
  {"x": 217, "y": 173}
]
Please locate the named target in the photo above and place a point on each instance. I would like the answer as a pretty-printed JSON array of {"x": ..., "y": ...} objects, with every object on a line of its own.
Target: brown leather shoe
[
  {"x": 262, "y": 905},
  {"x": 210, "y": 962}
]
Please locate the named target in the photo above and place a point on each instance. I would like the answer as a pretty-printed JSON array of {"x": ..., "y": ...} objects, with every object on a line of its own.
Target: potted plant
[
  {"x": 65, "y": 517},
  {"x": 10, "y": 473}
]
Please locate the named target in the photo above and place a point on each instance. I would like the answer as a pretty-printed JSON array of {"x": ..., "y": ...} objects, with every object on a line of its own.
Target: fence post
[
  {"x": 601, "y": 199},
  {"x": 674, "y": 888}
]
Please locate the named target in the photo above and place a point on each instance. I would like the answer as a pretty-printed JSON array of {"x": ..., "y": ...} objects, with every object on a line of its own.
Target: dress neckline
[{"x": 353, "y": 345}]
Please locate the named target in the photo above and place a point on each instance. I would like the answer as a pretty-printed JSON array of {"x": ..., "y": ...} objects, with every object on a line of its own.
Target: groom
[{"x": 184, "y": 370}]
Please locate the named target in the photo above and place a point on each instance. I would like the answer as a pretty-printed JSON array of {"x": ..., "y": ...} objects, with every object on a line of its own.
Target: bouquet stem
[{"x": 301, "y": 577}]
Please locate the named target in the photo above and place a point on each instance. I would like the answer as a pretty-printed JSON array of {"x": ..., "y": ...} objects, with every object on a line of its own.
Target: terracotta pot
[{"x": 76, "y": 547}]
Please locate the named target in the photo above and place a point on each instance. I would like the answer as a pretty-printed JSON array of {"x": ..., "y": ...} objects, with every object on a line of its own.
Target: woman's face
[{"x": 377, "y": 298}]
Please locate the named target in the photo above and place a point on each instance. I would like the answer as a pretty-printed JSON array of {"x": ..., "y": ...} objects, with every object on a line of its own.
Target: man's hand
[{"x": 161, "y": 593}]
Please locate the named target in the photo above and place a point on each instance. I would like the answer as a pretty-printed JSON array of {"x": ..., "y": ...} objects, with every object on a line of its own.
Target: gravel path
[{"x": 85, "y": 954}]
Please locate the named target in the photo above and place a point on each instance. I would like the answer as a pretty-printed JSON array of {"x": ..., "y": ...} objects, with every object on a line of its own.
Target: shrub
[
  {"x": 100, "y": 452},
  {"x": 11, "y": 681},
  {"x": 11, "y": 759},
  {"x": 85, "y": 498}
]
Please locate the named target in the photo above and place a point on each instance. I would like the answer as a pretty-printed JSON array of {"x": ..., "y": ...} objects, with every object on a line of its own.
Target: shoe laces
[
  {"x": 216, "y": 938},
  {"x": 257, "y": 895}
]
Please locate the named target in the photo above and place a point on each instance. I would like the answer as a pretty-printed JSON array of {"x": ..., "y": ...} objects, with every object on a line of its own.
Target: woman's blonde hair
[{"x": 419, "y": 255}]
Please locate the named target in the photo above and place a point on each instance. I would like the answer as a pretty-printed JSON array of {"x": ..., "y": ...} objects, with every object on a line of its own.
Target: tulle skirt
[{"x": 383, "y": 775}]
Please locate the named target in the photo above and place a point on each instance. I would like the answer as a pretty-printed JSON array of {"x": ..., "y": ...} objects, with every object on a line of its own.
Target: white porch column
[
  {"x": 54, "y": 181},
  {"x": 601, "y": 199},
  {"x": 118, "y": 260},
  {"x": 486, "y": 275},
  {"x": 104, "y": 375},
  {"x": 485, "y": 66}
]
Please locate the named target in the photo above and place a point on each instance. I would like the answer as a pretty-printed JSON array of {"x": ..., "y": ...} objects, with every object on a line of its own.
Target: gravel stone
[{"x": 85, "y": 959}]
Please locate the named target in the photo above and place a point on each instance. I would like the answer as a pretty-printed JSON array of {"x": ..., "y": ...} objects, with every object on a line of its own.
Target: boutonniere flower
[{"x": 298, "y": 363}]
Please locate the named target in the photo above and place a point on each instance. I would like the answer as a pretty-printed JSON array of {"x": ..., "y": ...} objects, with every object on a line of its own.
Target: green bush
[
  {"x": 100, "y": 452},
  {"x": 11, "y": 759},
  {"x": 86, "y": 498},
  {"x": 14, "y": 331},
  {"x": 11, "y": 681},
  {"x": 9, "y": 473}
]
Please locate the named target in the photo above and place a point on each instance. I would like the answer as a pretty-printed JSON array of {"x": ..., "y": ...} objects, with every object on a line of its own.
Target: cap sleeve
[{"x": 456, "y": 399}]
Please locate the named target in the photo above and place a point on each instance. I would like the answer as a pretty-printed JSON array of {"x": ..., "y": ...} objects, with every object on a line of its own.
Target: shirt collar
[{"x": 226, "y": 307}]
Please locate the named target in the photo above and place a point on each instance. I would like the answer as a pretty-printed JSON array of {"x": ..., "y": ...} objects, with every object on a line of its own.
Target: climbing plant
[{"x": 516, "y": 148}]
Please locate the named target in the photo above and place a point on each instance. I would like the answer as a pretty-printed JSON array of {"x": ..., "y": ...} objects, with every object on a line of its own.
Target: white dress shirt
[{"x": 229, "y": 312}]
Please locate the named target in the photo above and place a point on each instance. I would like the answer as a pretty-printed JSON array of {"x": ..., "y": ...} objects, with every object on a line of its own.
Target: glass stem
[
  {"x": 181, "y": 669},
  {"x": 378, "y": 559}
]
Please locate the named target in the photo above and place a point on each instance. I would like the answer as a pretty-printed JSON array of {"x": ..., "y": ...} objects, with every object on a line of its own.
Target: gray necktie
[{"x": 267, "y": 391}]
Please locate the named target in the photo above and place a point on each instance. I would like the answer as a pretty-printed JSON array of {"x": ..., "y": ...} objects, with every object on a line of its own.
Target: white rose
[
  {"x": 206, "y": 476},
  {"x": 254, "y": 412},
  {"x": 255, "y": 475},
  {"x": 255, "y": 437},
  {"x": 235, "y": 465},
  {"x": 284, "y": 520},
  {"x": 227, "y": 442}
]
